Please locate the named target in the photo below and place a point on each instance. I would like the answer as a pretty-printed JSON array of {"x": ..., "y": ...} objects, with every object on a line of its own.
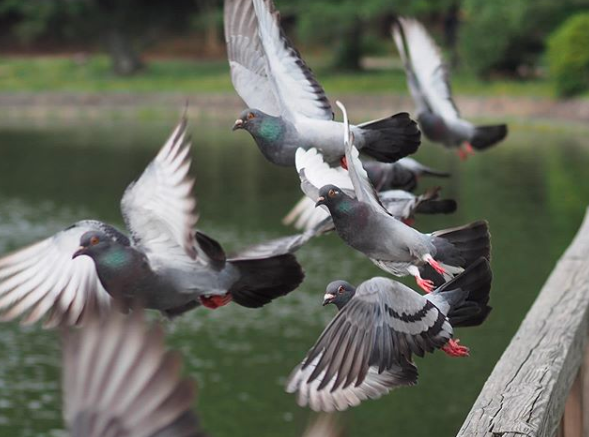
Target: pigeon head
[
  {"x": 338, "y": 293},
  {"x": 93, "y": 243},
  {"x": 330, "y": 196},
  {"x": 250, "y": 120}
]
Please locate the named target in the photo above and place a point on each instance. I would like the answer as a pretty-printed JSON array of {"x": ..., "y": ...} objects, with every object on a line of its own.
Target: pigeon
[
  {"x": 315, "y": 172},
  {"x": 119, "y": 380},
  {"x": 288, "y": 107},
  {"x": 164, "y": 262},
  {"x": 429, "y": 84},
  {"x": 364, "y": 224},
  {"x": 400, "y": 175},
  {"x": 367, "y": 349}
]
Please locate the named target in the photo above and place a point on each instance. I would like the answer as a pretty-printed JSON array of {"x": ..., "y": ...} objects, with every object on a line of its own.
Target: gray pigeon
[
  {"x": 401, "y": 175},
  {"x": 165, "y": 263},
  {"x": 429, "y": 84},
  {"x": 288, "y": 107},
  {"x": 367, "y": 349},
  {"x": 314, "y": 173},
  {"x": 119, "y": 380},
  {"x": 364, "y": 224}
]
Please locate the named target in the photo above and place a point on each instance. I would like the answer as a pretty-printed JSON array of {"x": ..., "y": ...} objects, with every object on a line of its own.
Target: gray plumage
[
  {"x": 429, "y": 84},
  {"x": 364, "y": 224},
  {"x": 165, "y": 263},
  {"x": 367, "y": 349},
  {"x": 401, "y": 175},
  {"x": 288, "y": 108},
  {"x": 119, "y": 380}
]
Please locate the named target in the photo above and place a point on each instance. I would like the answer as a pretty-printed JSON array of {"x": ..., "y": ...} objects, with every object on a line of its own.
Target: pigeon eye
[
  {"x": 250, "y": 115},
  {"x": 340, "y": 289},
  {"x": 331, "y": 193},
  {"x": 94, "y": 240}
]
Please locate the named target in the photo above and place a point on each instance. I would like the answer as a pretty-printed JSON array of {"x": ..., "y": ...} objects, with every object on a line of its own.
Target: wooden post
[{"x": 527, "y": 391}]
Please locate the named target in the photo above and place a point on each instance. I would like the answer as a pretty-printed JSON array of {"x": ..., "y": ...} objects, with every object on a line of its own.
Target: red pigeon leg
[
  {"x": 425, "y": 284},
  {"x": 454, "y": 349},
  {"x": 344, "y": 162},
  {"x": 214, "y": 302},
  {"x": 435, "y": 265}
]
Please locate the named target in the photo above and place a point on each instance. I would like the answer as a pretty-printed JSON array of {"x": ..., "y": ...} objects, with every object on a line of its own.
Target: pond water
[{"x": 532, "y": 189}]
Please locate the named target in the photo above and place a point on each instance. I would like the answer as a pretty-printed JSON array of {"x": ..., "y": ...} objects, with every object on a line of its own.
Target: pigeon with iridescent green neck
[
  {"x": 165, "y": 264},
  {"x": 288, "y": 108}
]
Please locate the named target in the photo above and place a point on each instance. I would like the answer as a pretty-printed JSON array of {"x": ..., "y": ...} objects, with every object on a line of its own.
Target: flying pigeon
[
  {"x": 315, "y": 173},
  {"x": 429, "y": 84},
  {"x": 400, "y": 175},
  {"x": 165, "y": 263},
  {"x": 119, "y": 380},
  {"x": 288, "y": 108},
  {"x": 366, "y": 350},
  {"x": 364, "y": 224}
]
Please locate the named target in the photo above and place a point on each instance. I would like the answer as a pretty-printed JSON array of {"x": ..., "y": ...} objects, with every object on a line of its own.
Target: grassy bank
[{"x": 93, "y": 75}]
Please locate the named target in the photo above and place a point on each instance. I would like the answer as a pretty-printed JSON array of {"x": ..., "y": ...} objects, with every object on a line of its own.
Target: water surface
[{"x": 533, "y": 190}]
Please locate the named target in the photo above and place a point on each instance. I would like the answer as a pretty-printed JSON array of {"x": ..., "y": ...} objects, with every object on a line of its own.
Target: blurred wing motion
[
  {"x": 118, "y": 380},
  {"x": 159, "y": 208},
  {"x": 366, "y": 350},
  {"x": 427, "y": 74},
  {"x": 43, "y": 279},
  {"x": 363, "y": 188},
  {"x": 267, "y": 71}
]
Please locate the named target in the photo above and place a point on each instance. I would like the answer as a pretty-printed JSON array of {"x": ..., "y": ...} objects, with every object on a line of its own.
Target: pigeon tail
[
  {"x": 392, "y": 138},
  {"x": 436, "y": 206},
  {"x": 263, "y": 280},
  {"x": 487, "y": 136},
  {"x": 468, "y": 295}
]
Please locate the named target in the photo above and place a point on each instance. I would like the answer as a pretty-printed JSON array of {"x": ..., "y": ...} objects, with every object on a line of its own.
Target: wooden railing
[{"x": 540, "y": 386}]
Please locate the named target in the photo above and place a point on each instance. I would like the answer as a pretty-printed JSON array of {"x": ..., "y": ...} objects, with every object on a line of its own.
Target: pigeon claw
[
  {"x": 409, "y": 221},
  {"x": 214, "y": 302},
  {"x": 454, "y": 349},
  {"x": 425, "y": 284},
  {"x": 436, "y": 266},
  {"x": 344, "y": 162},
  {"x": 466, "y": 151}
]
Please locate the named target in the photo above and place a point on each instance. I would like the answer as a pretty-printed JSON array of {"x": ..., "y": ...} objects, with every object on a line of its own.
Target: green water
[{"x": 533, "y": 190}]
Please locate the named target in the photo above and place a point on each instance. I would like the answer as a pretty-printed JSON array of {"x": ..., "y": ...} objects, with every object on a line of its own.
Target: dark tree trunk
[
  {"x": 125, "y": 59},
  {"x": 349, "y": 51}
]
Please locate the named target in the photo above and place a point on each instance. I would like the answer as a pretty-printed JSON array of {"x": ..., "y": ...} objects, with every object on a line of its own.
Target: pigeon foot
[
  {"x": 435, "y": 265},
  {"x": 454, "y": 349},
  {"x": 425, "y": 284},
  {"x": 466, "y": 151},
  {"x": 409, "y": 221},
  {"x": 344, "y": 162},
  {"x": 214, "y": 302}
]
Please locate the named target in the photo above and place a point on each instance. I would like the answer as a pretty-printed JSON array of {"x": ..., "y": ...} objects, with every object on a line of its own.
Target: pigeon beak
[
  {"x": 320, "y": 201},
  {"x": 328, "y": 298},
  {"x": 238, "y": 124},
  {"x": 81, "y": 251}
]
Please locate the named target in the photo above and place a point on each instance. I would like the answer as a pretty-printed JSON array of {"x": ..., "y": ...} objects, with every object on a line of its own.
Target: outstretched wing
[
  {"x": 118, "y": 380},
  {"x": 363, "y": 188},
  {"x": 366, "y": 350},
  {"x": 159, "y": 208},
  {"x": 247, "y": 60},
  {"x": 427, "y": 70},
  {"x": 43, "y": 279},
  {"x": 271, "y": 63}
]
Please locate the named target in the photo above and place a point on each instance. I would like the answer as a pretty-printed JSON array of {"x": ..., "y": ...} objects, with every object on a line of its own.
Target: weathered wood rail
[{"x": 540, "y": 386}]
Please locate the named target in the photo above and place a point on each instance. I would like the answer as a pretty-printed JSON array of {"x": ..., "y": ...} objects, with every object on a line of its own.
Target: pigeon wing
[
  {"x": 159, "y": 208},
  {"x": 118, "y": 380},
  {"x": 43, "y": 279},
  {"x": 366, "y": 350},
  {"x": 363, "y": 188},
  {"x": 429, "y": 70},
  {"x": 294, "y": 85},
  {"x": 247, "y": 60}
]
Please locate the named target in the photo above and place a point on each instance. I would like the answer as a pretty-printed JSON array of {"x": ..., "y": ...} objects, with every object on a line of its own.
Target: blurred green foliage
[
  {"x": 504, "y": 35},
  {"x": 568, "y": 55}
]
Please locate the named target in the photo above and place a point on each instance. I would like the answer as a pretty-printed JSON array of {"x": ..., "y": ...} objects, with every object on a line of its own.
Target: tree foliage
[
  {"x": 568, "y": 55},
  {"x": 503, "y": 35}
]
